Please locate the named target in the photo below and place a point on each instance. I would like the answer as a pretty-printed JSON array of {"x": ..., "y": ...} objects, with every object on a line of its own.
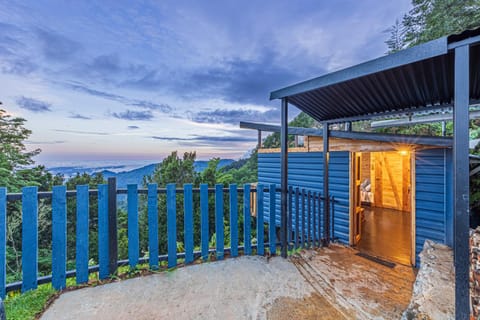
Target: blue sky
[{"x": 135, "y": 80}]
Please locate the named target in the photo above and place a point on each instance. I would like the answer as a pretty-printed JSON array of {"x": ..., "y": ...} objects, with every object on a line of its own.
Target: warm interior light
[{"x": 403, "y": 152}]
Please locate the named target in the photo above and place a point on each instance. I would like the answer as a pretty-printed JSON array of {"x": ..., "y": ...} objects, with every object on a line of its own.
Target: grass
[{"x": 26, "y": 306}]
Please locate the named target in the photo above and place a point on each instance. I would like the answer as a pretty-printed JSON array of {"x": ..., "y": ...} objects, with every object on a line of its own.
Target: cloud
[
  {"x": 45, "y": 142},
  {"x": 33, "y": 105},
  {"x": 14, "y": 52},
  {"x": 96, "y": 93},
  {"x": 236, "y": 115},
  {"x": 148, "y": 80},
  {"x": 79, "y": 116},
  {"x": 133, "y": 127},
  {"x": 163, "y": 107},
  {"x": 20, "y": 66},
  {"x": 171, "y": 138},
  {"x": 134, "y": 115},
  {"x": 57, "y": 47},
  {"x": 96, "y": 133},
  {"x": 203, "y": 140},
  {"x": 143, "y": 104},
  {"x": 242, "y": 80}
]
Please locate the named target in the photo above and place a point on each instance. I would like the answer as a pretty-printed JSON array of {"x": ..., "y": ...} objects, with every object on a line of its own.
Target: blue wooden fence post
[
  {"x": 188, "y": 220},
  {"x": 220, "y": 244},
  {"x": 103, "y": 258},
  {"x": 59, "y": 237},
  {"x": 260, "y": 229},
  {"x": 29, "y": 238},
  {"x": 272, "y": 239},
  {"x": 3, "y": 241},
  {"x": 81, "y": 245},
  {"x": 133, "y": 237},
  {"x": 204, "y": 219},
  {"x": 247, "y": 220},
  {"x": 152, "y": 226},
  {"x": 233, "y": 220},
  {"x": 172, "y": 225}
]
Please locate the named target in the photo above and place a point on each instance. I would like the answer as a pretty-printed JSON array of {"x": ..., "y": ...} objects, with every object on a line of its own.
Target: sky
[{"x": 136, "y": 80}]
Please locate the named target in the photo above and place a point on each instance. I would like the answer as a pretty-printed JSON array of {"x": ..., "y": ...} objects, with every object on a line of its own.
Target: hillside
[{"x": 126, "y": 177}]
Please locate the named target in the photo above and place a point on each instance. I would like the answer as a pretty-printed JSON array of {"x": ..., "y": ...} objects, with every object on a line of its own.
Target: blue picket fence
[{"x": 304, "y": 227}]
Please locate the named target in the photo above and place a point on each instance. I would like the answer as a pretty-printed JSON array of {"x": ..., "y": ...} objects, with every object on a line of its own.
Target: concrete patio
[{"x": 328, "y": 283}]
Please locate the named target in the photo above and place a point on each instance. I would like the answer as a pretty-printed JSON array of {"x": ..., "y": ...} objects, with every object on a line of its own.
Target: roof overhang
[
  {"x": 414, "y": 79},
  {"x": 443, "y": 142}
]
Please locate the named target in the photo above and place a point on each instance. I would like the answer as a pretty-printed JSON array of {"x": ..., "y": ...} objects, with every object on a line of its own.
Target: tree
[
  {"x": 15, "y": 161},
  {"x": 396, "y": 42},
  {"x": 432, "y": 19},
  {"x": 174, "y": 170},
  {"x": 302, "y": 120}
]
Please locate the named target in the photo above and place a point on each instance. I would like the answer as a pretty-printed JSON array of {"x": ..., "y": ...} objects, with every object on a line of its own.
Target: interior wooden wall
[{"x": 390, "y": 175}]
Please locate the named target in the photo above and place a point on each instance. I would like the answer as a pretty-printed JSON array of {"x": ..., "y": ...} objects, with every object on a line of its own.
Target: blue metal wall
[
  {"x": 305, "y": 170},
  {"x": 433, "y": 197},
  {"x": 433, "y": 190}
]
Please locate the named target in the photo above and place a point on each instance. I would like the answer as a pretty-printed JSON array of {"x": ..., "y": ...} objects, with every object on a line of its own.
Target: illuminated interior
[{"x": 382, "y": 204}]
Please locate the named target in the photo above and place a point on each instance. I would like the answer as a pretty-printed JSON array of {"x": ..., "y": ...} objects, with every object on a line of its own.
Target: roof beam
[
  {"x": 372, "y": 136},
  {"x": 394, "y": 138},
  {"x": 275, "y": 128},
  {"x": 419, "y": 120}
]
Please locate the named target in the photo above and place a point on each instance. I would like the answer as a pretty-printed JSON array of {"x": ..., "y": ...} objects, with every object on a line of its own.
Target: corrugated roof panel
[
  {"x": 421, "y": 84},
  {"x": 419, "y": 77}
]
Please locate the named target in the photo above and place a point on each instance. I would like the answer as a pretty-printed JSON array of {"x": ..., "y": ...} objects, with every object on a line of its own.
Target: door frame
[{"x": 412, "y": 202}]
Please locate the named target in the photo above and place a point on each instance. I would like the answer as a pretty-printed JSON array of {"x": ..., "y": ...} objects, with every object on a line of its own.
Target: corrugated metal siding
[
  {"x": 305, "y": 170},
  {"x": 433, "y": 190},
  {"x": 339, "y": 178}
]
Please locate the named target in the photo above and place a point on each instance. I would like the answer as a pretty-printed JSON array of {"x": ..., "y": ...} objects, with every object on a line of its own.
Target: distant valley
[{"x": 125, "y": 177}]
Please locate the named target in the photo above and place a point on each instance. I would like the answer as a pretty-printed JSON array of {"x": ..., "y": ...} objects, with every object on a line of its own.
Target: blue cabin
[{"x": 390, "y": 193}]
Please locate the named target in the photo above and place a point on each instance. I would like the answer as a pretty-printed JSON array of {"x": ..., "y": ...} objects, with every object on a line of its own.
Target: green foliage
[
  {"x": 16, "y": 162},
  {"x": 432, "y": 19},
  {"x": 302, "y": 120},
  {"x": 245, "y": 173},
  {"x": 174, "y": 170},
  {"x": 426, "y": 21},
  {"x": 27, "y": 305}
]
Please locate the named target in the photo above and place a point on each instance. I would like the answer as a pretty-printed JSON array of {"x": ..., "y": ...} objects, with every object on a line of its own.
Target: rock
[{"x": 433, "y": 291}]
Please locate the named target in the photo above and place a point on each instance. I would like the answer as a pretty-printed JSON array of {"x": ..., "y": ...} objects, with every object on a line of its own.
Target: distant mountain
[
  {"x": 136, "y": 176},
  {"x": 126, "y": 177}
]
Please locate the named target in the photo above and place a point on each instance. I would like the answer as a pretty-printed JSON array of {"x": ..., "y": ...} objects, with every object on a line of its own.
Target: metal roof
[{"x": 418, "y": 78}]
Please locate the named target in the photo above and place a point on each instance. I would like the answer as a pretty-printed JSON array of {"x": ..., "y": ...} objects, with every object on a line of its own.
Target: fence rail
[{"x": 305, "y": 216}]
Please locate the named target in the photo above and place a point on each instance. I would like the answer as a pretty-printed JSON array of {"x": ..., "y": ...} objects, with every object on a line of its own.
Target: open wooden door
[
  {"x": 391, "y": 182},
  {"x": 357, "y": 207}
]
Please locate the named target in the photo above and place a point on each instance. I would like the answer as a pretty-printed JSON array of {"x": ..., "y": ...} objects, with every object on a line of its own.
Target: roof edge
[{"x": 421, "y": 52}]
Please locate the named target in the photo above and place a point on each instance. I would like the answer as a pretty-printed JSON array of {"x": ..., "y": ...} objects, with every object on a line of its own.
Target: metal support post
[
  {"x": 461, "y": 182},
  {"x": 284, "y": 176}
]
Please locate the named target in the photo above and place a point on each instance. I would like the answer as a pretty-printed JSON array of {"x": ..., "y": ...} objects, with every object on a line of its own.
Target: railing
[{"x": 304, "y": 227}]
